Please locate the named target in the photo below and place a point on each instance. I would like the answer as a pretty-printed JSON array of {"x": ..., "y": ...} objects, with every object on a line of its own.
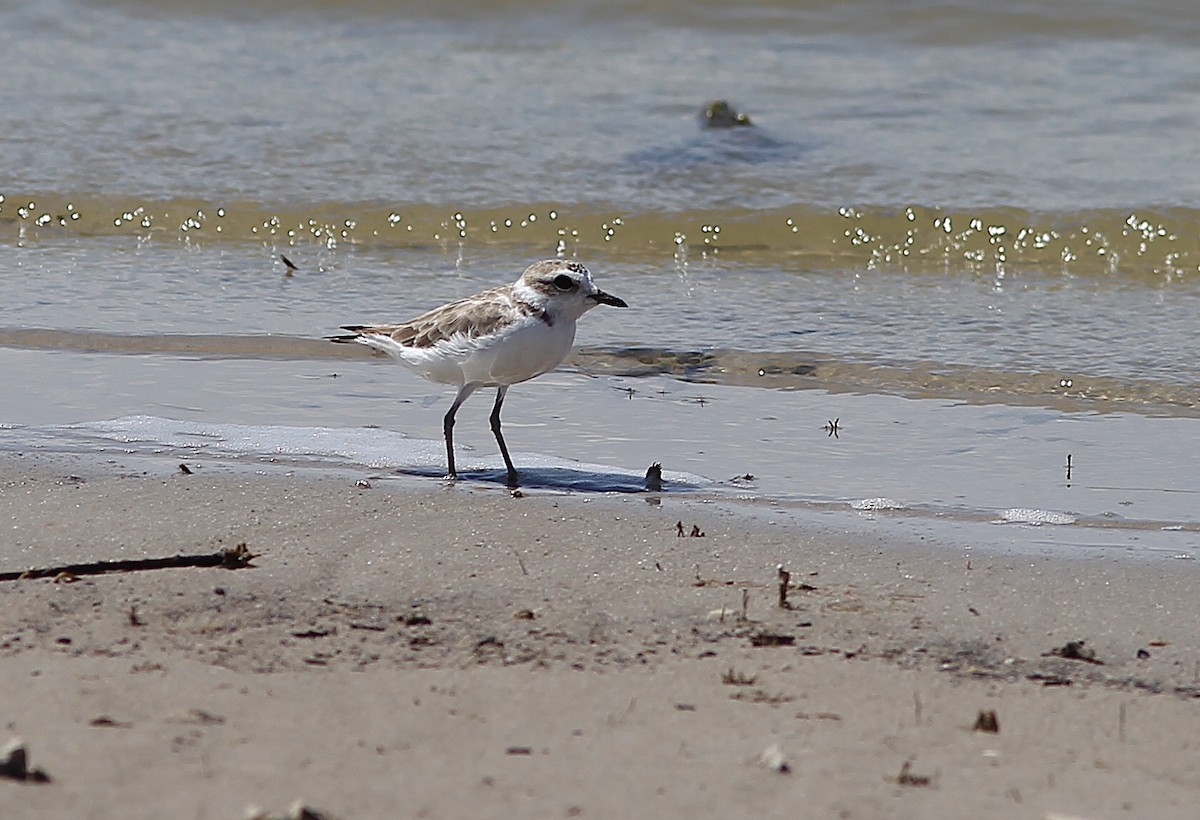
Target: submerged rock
[{"x": 720, "y": 114}]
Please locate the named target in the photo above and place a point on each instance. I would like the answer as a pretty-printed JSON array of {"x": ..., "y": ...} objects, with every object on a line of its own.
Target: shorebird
[{"x": 496, "y": 338}]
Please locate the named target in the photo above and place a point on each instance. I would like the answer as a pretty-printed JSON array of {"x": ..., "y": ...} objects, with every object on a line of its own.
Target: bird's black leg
[
  {"x": 512, "y": 471},
  {"x": 448, "y": 426}
]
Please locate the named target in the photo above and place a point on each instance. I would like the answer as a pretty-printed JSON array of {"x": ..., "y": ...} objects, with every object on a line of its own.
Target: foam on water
[
  {"x": 876, "y": 504},
  {"x": 1035, "y": 517}
]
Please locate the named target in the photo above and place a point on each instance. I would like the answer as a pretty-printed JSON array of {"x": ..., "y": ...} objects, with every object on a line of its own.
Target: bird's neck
[{"x": 531, "y": 303}]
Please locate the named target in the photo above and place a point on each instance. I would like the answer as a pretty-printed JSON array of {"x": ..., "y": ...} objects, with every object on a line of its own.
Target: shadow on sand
[{"x": 557, "y": 478}]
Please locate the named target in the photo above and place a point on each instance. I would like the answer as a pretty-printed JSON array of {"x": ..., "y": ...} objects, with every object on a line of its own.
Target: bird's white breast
[
  {"x": 514, "y": 354},
  {"x": 520, "y": 352}
]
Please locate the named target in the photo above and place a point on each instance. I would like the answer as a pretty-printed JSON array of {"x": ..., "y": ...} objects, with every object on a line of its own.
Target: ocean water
[{"x": 969, "y": 233}]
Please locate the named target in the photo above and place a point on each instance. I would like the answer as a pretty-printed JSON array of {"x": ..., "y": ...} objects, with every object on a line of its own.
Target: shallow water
[
  {"x": 989, "y": 475},
  {"x": 970, "y": 232}
]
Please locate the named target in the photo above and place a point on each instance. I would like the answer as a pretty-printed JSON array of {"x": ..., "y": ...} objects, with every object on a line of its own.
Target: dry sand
[{"x": 458, "y": 652}]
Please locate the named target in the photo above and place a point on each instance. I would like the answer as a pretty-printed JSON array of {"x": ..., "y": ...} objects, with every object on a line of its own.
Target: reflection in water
[
  {"x": 948, "y": 479},
  {"x": 779, "y": 370}
]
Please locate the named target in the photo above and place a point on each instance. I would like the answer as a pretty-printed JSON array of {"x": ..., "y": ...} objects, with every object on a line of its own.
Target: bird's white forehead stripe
[{"x": 576, "y": 267}]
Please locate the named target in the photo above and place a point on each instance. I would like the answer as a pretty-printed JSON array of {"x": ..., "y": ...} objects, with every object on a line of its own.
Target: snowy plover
[{"x": 496, "y": 338}]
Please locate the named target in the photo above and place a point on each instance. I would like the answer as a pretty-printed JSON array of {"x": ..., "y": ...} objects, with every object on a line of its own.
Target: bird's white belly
[
  {"x": 520, "y": 353},
  {"x": 523, "y": 353}
]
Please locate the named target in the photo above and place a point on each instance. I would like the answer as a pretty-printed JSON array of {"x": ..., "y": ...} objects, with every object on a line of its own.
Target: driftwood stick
[{"x": 231, "y": 558}]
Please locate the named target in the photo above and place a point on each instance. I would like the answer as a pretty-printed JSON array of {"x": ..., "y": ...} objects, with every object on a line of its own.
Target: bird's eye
[{"x": 564, "y": 282}]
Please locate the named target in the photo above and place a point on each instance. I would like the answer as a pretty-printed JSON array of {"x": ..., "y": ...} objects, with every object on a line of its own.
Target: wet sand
[{"x": 461, "y": 652}]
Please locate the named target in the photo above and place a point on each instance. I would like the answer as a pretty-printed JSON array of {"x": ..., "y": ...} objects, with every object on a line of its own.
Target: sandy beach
[
  {"x": 460, "y": 652},
  {"x": 914, "y": 343}
]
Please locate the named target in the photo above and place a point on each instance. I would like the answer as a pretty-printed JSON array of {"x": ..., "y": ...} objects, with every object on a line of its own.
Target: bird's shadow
[{"x": 555, "y": 478}]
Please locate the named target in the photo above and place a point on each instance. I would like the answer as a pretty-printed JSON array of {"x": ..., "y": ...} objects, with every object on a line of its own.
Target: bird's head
[{"x": 563, "y": 287}]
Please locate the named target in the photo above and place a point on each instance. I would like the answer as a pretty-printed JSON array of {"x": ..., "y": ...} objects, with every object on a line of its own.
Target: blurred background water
[{"x": 973, "y": 205}]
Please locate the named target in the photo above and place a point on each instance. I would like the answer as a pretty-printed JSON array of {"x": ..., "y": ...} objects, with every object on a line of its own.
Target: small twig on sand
[
  {"x": 520, "y": 560},
  {"x": 732, "y": 677},
  {"x": 907, "y": 778}
]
